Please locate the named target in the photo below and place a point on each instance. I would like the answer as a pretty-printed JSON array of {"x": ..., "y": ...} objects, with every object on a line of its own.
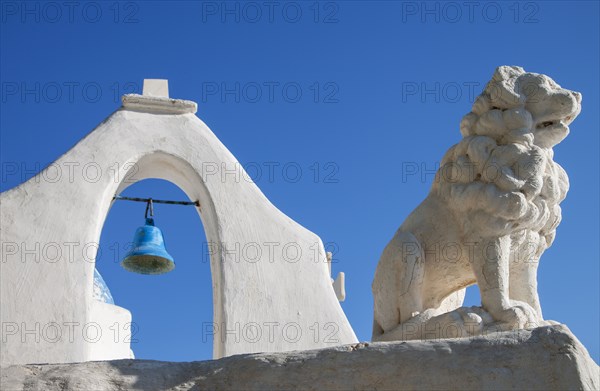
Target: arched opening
[{"x": 169, "y": 311}]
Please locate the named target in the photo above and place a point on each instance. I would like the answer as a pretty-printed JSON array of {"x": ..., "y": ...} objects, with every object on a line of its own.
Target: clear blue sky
[{"x": 382, "y": 84}]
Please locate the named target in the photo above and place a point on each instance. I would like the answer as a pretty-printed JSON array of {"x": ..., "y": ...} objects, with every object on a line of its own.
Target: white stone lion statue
[{"x": 492, "y": 211}]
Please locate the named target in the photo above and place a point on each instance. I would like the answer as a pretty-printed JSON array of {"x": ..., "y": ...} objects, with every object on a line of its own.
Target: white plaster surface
[
  {"x": 281, "y": 294},
  {"x": 109, "y": 330},
  {"x": 492, "y": 211},
  {"x": 547, "y": 358}
]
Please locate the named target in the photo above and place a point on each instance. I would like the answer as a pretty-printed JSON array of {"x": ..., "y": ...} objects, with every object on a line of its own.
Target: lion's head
[
  {"x": 520, "y": 106},
  {"x": 501, "y": 174}
]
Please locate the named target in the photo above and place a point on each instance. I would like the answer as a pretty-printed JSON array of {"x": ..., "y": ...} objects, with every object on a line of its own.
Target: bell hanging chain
[{"x": 150, "y": 208}]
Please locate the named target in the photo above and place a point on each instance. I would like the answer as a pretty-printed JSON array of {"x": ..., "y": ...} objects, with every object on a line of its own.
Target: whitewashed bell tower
[{"x": 48, "y": 309}]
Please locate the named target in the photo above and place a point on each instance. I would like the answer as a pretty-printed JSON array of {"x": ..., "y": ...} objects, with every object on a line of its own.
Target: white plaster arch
[
  {"x": 291, "y": 302},
  {"x": 162, "y": 165}
]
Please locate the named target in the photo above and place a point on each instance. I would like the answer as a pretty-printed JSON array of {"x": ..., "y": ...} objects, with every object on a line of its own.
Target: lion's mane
[{"x": 501, "y": 178}]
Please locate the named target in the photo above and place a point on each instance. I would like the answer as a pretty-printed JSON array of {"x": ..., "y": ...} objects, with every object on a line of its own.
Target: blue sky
[{"x": 351, "y": 93}]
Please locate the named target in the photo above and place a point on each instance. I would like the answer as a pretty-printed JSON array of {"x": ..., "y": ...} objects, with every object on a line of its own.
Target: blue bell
[{"x": 148, "y": 255}]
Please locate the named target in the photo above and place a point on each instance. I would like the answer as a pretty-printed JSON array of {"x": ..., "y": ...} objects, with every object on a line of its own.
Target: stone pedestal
[{"x": 546, "y": 358}]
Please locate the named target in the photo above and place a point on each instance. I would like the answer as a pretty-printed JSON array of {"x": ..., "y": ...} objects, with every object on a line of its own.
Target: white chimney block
[{"x": 156, "y": 87}]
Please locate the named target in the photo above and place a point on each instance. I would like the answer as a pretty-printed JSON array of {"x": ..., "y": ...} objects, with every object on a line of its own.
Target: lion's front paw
[{"x": 519, "y": 316}]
